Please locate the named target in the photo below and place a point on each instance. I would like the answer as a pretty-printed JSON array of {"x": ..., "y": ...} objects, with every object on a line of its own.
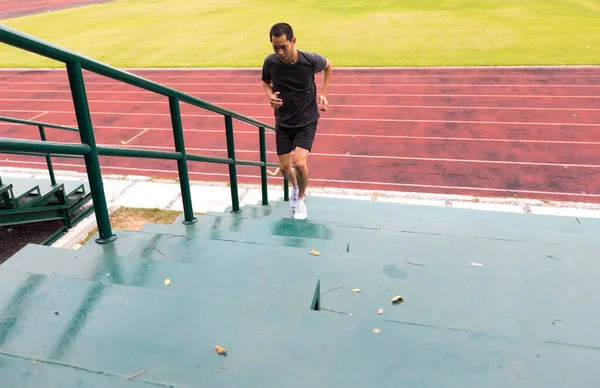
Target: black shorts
[{"x": 287, "y": 139}]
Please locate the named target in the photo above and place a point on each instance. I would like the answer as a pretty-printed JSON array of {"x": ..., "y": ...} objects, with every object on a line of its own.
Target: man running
[{"x": 289, "y": 81}]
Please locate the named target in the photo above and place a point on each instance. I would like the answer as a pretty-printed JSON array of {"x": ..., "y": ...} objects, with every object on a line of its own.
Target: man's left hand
[{"x": 323, "y": 103}]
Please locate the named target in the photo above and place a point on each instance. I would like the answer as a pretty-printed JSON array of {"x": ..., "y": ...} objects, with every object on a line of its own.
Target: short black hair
[{"x": 281, "y": 29}]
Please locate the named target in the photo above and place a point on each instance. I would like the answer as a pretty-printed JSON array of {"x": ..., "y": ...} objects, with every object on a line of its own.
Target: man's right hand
[{"x": 276, "y": 102}]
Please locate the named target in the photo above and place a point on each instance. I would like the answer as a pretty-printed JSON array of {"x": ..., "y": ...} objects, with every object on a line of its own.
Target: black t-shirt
[{"x": 296, "y": 84}]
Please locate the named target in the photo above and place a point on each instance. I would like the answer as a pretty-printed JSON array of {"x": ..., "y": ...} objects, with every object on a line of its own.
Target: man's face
[{"x": 283, "y": 48}]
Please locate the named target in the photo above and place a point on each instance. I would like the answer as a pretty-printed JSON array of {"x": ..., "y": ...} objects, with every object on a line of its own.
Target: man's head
[{"x": 283, "y": 41}]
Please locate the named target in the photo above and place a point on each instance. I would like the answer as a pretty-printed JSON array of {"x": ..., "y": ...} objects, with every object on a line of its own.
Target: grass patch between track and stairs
[{"x": 127, "y": 218}]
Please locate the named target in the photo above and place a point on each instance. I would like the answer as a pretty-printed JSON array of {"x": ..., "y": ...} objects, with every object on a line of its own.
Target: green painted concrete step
[
  {"x": 22, "y": 372},
  {"x": 128, "y": 241},
  {"x": 322, "y": 208},
  {"x": 311, "y": 239},
  {"x": 522, "y": 303},
  {"x": 342, "y": 224},
  {"x": 422, "y": 249},
  {"x": 189, "y": 250},
  {"x": 367, "y": 241},
  {"x": 118, "y": 330},
  {"x": 125, "y": 243},
  {"x": 497, "y": 256},
  {"x": 430, "y": 215},
  {"x": 231, "y": 279}
]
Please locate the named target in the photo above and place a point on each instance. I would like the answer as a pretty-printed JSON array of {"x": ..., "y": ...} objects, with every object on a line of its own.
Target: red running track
[
  {"x": 16, "y": 8},
  {"x": 492, "y": 132}
]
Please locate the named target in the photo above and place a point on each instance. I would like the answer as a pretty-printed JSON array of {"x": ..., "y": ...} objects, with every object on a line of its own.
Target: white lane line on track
[
  {"x": 339, "y": 74},
  {"x": 257, "y": 85},
  {"x": 336, "y": 181},
  {"x": 37, "y": 116},
  {"x": 384, "y": 157},
  {"x": 135, "y": 137},
  {"x": 348, "y": 135},
  {"x": 420, "y": 159},
  {"x": 212, "y": 116},
  {"x": 329, "y": 94},
  {"x": 140, "y": 102}
]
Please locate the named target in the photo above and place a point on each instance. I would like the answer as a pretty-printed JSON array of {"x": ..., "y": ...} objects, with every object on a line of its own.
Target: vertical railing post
[
  {"x": 263, "y": 168},
  {"x": 235, "y": 201},
  {"x": 48, "y": 158},
  {"x": 286, "y": 190},
  {"x": 184, "y": 179},
  {"x": 92, "y": 163}
]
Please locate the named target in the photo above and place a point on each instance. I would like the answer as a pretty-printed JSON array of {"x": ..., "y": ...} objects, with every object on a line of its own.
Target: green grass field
[{"x": 234, "y": 33}]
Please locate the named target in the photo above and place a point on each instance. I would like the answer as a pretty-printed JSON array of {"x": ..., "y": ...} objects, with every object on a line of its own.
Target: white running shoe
[
  {"x": 294, "y": 197},
  {"x": 301, "y": 212}
]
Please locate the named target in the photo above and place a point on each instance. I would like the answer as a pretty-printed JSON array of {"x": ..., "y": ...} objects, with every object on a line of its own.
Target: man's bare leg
[
  {"x": 300, "y": 158},
  {"x": 285, "y": 166}
]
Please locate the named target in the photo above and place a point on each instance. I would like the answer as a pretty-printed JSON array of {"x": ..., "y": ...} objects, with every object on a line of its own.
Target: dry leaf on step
[
  {"x": 220, "y": 350},
  {"x": 315, "y": 253},
  {"x": 397, "y": 299}
]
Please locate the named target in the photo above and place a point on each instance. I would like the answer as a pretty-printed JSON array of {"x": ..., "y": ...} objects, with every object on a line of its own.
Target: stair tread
[
  {"x": 208, "y": 277},
  {"x": 173, "y": 336},
  {"x": 308, "y": 243},
  {"x": 469, "y": 301},
  {"x": 378, "y": 232},
  {"x": 495, "y": 254},
  {"x": 324, "y": 207}
]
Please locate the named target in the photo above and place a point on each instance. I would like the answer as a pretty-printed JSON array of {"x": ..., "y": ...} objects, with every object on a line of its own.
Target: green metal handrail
[
  {"x": 32, "y": 44},
  {"x": 37, "y": 123},
  {"x": 75, "y": 64},
  {"x": 41, "y": 127}
]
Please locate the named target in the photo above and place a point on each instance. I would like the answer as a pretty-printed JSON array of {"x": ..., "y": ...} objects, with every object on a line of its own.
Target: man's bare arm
[
  {"x": 324, "y": 104},
  {"x": 274, "y": 99}
]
